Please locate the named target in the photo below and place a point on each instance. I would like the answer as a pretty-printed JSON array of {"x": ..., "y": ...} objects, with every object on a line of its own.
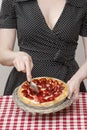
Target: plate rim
[{"x": 39, "y": 110}]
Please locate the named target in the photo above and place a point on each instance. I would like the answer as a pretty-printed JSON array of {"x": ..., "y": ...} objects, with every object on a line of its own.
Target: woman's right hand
[
  {"x": 20, "y": 60},
  {"x": 23, "y": 62}
]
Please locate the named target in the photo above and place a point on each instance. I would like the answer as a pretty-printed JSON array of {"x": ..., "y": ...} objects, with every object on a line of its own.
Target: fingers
[
  {"x": 70, "y": 92},
  {"x": 28, "y": 70},
  {"x": 73, "y": 89},
  {"x": 17, "y": 65},
  {"x": 23, "y": 62},
  {"x": 76, "y": 94}
]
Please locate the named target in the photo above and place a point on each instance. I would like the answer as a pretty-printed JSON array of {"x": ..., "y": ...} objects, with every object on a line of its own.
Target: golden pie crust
[{"x": 34, "y": 103}]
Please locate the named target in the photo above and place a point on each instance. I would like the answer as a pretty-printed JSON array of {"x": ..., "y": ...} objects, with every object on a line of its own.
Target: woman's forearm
[
  {"x": 6, "y": 57},
  {"x": 81, "y": 74},
  {"x": 7, "y": 41}
]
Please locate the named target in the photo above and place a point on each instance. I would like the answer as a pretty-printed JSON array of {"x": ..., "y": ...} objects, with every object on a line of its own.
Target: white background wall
[{"x": 4, "y": 71}]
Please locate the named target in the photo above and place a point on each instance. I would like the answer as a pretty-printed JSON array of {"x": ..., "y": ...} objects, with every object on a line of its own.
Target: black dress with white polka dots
[{"x": 52, "y": 51}]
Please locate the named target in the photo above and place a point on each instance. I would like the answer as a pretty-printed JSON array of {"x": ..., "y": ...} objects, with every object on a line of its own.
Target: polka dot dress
[{"x": 52, "y": 51}]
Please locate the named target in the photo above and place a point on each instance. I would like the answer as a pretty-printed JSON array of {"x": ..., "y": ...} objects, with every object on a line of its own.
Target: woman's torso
[
  {"x": 52, "y": 47},
  {"x": 45, "y": 44}
]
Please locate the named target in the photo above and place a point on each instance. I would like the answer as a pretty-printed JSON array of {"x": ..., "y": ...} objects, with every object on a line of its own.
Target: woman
[{"x": 47, "y": 32}]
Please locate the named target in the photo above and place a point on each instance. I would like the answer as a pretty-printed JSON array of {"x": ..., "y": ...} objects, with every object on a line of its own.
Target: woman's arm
[
  {"x": 79, "y": 76},
  {"x": 7, "y": 41},
  {"x": 20, "y": 60}
]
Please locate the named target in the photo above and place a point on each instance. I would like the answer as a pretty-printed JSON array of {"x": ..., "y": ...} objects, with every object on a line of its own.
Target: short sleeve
[
  {"x": 83, "y": 29},
  {"x": 7, "y": 14}
]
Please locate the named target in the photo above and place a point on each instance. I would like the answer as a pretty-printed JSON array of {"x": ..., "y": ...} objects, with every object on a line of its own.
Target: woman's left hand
[
  {"x": 74, "y": 86},
  {"x": 75, "y": 81}
]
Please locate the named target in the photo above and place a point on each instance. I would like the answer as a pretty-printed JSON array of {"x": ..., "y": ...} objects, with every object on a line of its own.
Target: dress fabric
[{"x": 52, "y": 51}]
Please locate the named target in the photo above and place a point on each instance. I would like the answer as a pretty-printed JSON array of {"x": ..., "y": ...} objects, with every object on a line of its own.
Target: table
[{"x": 71, "y": 118}]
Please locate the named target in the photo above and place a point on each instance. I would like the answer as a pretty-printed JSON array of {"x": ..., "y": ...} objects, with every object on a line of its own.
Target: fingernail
[{"x": 68, "y": 97}]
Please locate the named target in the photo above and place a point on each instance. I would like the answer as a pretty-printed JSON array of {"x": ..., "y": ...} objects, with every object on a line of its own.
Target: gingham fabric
[
  {"x": 52, "y": 51},
  {"x": 71, "y": 118}
]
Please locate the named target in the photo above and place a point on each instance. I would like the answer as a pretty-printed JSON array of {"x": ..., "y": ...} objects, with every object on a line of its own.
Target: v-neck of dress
[{"x": 44, "y": 20}]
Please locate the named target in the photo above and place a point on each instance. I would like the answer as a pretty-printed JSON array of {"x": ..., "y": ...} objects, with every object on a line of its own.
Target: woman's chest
[
  {"x": 51, "y": 11},
  {"x": 31, "y": 21}
]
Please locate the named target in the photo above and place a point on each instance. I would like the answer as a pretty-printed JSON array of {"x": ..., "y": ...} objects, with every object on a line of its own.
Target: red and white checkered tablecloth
[{"x": 71, "y": 118}]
